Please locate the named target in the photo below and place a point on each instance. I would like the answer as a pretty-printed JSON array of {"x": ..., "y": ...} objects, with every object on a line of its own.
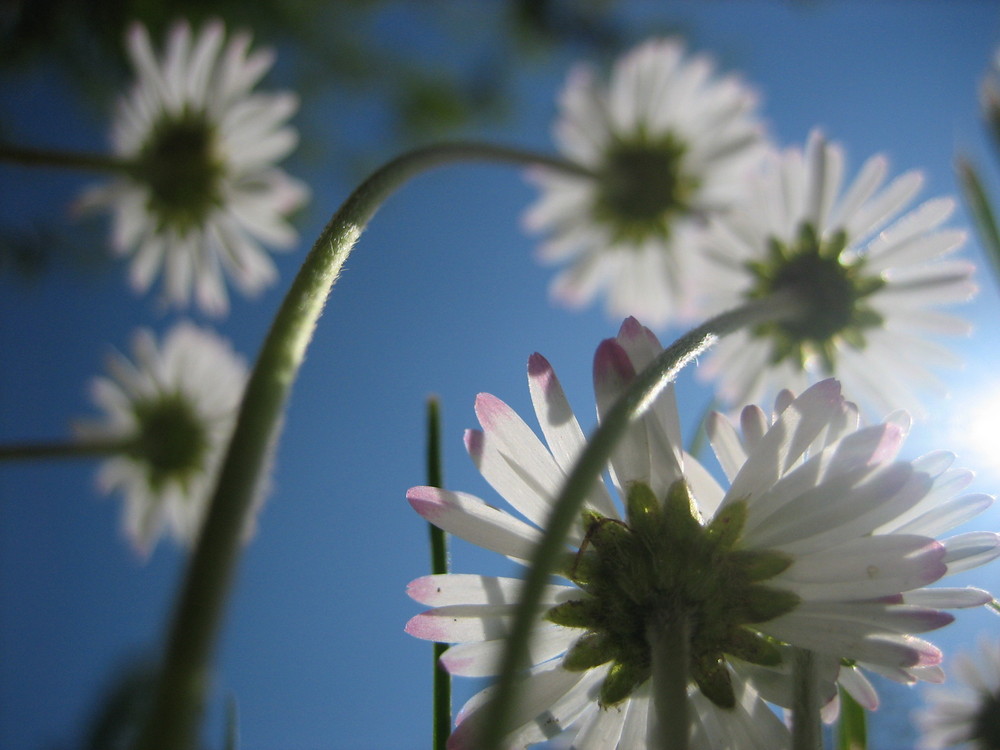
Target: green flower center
[
  {"x": 179, "y": 166},
  {"x": 643, "y": 187},
  {"x": 834, "y": 292},
  {"x": 985, "y": 733},
  {"x": 663, "y": 564},
  {"x": 172, "y": 439}
]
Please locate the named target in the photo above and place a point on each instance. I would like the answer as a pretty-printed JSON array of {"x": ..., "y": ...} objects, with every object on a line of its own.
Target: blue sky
[{"x": 442, "y": 296}]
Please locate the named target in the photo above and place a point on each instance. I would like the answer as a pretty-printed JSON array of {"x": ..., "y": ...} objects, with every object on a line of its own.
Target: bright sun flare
[{"x": 976, "y": 438}]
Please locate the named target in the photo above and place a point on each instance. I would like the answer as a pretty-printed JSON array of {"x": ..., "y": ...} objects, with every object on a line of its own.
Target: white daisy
[
  {"x": 669, "y": 145},
  {"x": 202, "y": 191},
  {"x": 967, "y": 716},
  {"x": 793, "y": 555},
  {"x": 173, "y": 410},
  {"x": 872, "y": 275}
]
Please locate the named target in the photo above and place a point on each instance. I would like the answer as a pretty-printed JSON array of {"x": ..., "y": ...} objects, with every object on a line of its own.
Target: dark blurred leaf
[
  {"x": 116, "y": 722},
  {"x": 979, "y": 206}
]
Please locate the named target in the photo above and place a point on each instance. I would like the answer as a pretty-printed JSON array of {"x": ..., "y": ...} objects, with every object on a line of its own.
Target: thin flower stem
[
  {"x": 592, "y": 461},
  {"x": 36, "y": 157},
  {"x": 669, "y": 641},
  {"x": 439, "y": 566},
  {"x": 852, "y": 729},
  {"x": 806, "y": 732},
  {"x": 177, "y": 706},
  {"x": 68, "y": 449}
]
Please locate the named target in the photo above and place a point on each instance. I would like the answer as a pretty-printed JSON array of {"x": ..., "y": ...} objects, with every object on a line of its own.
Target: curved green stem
[
  {"x": 37, "y": 157},
  {"x": 631, "y": 404},
  {"x": 67, "y": 449},
  {"x": 177, "y": 707}
]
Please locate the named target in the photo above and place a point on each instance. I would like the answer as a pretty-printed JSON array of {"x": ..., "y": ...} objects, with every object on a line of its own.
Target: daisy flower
[
  {"x": 967, "y": 716},
  {"x": 872, "y": 273},
  {"x": 201, "y": 191},
  {"x": 796, "y": 554},
  {"x": 173, "y": 410},
  {"x": 668, "y": 144}
]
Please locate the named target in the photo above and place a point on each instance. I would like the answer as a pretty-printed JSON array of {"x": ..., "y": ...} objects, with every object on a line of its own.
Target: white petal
[{"x": 471, "y": 519}]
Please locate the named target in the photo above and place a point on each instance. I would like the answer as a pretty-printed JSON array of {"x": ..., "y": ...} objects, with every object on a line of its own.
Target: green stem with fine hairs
[
  {"x": 806, "y": 731},
  {"x": 177, "y": 707},
  {"x": 37, "y": 157},
  {"x": 636, "y": 399},
  {"x": 669, "y": 647},
  {"x": 439, "y": 565},
  {"x": 87, "y": 448}
]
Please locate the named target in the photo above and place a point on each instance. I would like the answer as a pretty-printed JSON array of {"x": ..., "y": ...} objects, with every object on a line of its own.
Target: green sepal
[
  {"x": 622, "y": 679},
  {"x": 579, "y": 613},
  {"x": 680, "y": 512},
  {"x": 643, "y": 508},
  {"x": 865, "y": 317},
  {"x": 712, "y": 678},
  {"x": 727, "y": 525},
  {"x": 590, "y": 650},
  {"x": 609, "y": 536},
  {"x": 753, "y": 647},
  {"x": 808, "y": 240},
  {"x": 762, "y": 603},
  {"x": 834, "y": 245},
  {"x": 854, "y": 338},
  {"x": 759, "y": 565},
  {"x": 583, "y": 568}
]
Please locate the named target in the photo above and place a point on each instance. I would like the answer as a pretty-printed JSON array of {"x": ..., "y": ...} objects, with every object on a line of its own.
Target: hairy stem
[
  {"x": 85, "y": 448},
  {"x": 669, "y": 641},
  {"x": 38, "y": 157},
  {"x": 177, "y": 707},
  {"x": 806, "y": 731}
]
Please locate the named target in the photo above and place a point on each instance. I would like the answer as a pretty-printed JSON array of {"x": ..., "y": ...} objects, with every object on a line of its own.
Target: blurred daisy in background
[
  {"x": 171, "y": 412},
  {"x": 967, "y": 715},
  {"x": 201, "y": 193},
  {"x": 669, "y": 145}
]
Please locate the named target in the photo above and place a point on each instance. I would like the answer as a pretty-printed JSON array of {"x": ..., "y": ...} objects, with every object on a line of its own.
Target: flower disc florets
[
  {"x": 180, "y": 168},
  {"x": 664, "y": 564},
  {"x": 172, "y": 439},
  {"x": 833, "y": 289},
  {"x": 642, "y": 188}
]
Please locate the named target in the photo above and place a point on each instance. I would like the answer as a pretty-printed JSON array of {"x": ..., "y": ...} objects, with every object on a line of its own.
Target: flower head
[
  {"x": 173, "y": 411},
  {"x": 815, "y": 545},
  {"x": 871, "y": 276},
  {"x": 668, "y": 145},
  {"x": 967, "y": 716},
  {"x": 201, "y": 193}
]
